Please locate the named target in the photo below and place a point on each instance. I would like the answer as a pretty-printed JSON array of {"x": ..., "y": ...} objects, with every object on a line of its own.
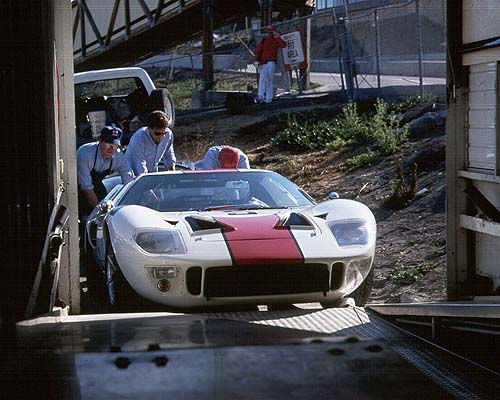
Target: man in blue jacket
[
  {"x": 224, "y": 157},
  {"x": 151, "y": 145},
  {"x": 94, "y": 161}
]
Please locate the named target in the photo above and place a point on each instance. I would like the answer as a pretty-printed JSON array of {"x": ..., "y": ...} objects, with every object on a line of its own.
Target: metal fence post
[
  {"x": 377, "y": 47},
  {"x": 350, "y": 64},
  {"x": 339, "y": 45},
  {"x": 419, "y": 48},
  {"x": 347, "y": 58}
]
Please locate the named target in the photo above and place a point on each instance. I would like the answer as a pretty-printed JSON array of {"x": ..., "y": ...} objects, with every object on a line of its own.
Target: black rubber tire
[
  {"x": 362, "y": 293},
  {"x": 95, "y": 300},
  {"x": 331, "y": 304},
  {"x": 126, "y": 298},
  {"x": 161, "y": 100}
]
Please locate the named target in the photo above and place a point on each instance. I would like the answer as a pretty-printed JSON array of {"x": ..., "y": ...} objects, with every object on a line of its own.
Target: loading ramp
[{"x": 299, "y": 353}]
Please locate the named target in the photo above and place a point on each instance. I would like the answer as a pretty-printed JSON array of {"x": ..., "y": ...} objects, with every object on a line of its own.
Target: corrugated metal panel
[{"x": 482, "y": 117}]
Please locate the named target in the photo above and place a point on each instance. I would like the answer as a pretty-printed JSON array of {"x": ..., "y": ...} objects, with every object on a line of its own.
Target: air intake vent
[
  {"x": 193, "y": 280},
  {"x": 198, "y": 224},
  {"x": 296, "y": 220},
  {"x": 262, "y": 280},
  {"x": 337, "y": 277}
]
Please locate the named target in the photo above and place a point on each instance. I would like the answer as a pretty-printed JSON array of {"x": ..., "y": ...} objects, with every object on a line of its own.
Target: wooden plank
[
  {"x": 476, "y": 176},
  {"x": 456, "y": 153},
  {"x": 480, "y": 225},
  {"x": 481, "y": 57}
]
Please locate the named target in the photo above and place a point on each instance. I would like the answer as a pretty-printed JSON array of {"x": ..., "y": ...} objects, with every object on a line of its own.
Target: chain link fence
[{"x": 397, "y": 45}]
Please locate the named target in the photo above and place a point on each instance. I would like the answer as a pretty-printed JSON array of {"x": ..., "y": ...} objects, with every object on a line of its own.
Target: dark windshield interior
[{"x": 205, "y": 191}]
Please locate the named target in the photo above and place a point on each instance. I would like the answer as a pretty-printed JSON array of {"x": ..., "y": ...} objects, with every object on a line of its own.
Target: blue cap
[{"x": 111, "y": 135}]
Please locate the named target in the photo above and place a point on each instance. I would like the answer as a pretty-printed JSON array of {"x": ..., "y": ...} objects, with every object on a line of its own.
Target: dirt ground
[{"x": 407, "y": 238}]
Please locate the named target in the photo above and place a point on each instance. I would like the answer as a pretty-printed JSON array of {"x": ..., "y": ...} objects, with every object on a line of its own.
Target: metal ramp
[{"x": 300, "y": 353}]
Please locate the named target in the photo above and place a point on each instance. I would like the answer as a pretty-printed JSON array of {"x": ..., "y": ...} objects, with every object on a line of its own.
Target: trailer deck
[{"x": 297, "y": 353}]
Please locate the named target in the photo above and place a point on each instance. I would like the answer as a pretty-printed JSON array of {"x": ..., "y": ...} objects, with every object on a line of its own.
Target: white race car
[{"x": 226, "y": 237}]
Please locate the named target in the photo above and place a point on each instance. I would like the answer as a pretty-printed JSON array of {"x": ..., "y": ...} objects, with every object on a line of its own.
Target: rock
[
  {"x": 429, "y": 157},
  {"x": 440, "y": 118},
  {"x": 421, "y": 126},
  {"x": 415, "y": 112}
]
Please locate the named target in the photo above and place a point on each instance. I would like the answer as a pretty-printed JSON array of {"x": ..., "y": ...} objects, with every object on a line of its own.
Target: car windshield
[
  {"x": 108, "y": 87},
  {"x": 205, "y": 191}
]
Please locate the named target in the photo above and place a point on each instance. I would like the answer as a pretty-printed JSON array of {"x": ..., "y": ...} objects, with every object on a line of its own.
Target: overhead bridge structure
[{"x": 120, "y": 32}]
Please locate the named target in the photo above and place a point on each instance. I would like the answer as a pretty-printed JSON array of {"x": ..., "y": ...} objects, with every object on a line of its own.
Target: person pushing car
[
  {"x": 224, "y": 157},
  {"x": 96, "y": 160},
  {"x": 151, "y": 145}
]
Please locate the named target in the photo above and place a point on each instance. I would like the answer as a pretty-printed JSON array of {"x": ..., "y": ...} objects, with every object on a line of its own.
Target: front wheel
[{"x": 360, "y": 295}]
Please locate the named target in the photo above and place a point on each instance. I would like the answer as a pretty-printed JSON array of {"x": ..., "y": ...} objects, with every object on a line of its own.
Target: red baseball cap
[
  {"x": 271, "y": 28},
  {"x": 229, "y": 157}
]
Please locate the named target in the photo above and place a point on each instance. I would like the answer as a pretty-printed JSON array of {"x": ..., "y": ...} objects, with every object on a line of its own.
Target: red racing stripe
[{"x": 256, "y": 240}]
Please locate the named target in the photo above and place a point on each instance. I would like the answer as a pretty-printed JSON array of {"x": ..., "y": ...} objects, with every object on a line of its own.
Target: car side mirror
[
  {"x": 106, "y": 206},
  {"x": 333, "y": 196}
]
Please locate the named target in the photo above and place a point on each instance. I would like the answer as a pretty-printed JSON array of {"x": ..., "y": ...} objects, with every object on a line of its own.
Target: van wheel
[{"x": 161, "y": 100}]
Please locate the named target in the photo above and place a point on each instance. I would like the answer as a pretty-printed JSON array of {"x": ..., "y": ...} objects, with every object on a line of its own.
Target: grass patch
[
  {"x": 407, "y": 275},
  {"x": 438, "y": 250}
]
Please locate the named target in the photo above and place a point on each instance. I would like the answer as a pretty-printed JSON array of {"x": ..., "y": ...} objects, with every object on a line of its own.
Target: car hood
[{"x": 251, "y": 225}]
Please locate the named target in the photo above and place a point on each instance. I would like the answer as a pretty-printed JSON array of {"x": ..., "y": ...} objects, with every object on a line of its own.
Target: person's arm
[
  {"x": 281, "y": 42},
  {"x": 84, "y": 179},
  {"x": 91, "y": 197},
  {"x": 211, "y": 159},
  {"x": 123, "y": 168},
  {"x": 243, "y": 162},
  {"x": 168, "y": 157}
]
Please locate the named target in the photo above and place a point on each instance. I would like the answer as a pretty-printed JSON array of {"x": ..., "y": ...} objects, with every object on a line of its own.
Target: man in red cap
[
  {"x": 225, "y": 157},
  {"x": 266, "y": 56}
]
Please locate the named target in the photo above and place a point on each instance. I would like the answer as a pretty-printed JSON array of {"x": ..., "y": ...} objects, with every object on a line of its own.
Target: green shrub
[
  {"x": 378, "y": 131},
  {"x": 408, "y": 275},
  {"x": 363, "y": 159},
  {"x": 384, "y": 130}
]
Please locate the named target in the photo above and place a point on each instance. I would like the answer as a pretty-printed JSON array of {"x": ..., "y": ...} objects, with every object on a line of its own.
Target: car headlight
[
  {"x": 161, "y": 242},
  {"x": 350, "y": 232}
]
